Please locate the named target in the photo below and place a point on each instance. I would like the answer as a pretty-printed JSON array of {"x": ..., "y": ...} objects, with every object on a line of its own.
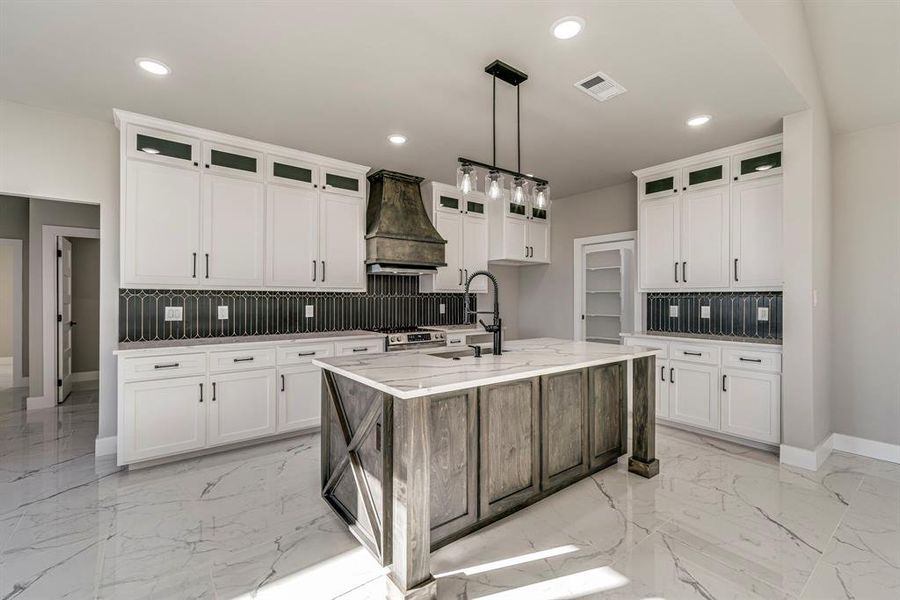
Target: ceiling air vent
[{"x": 600, "y": 87}]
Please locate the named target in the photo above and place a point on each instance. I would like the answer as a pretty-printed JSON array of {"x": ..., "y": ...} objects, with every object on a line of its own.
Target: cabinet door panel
[
  {"x": 756, "y": 233},
  {"x": 162, "y": 225},
  {"x": 751, "y": 405},
  {"x": 299, "y": 398},
  {"x": 292, "y": 236},
  {"x": 475, "y": 250},
  {"x": 515, "y": 238},
  {"x": 662, "y": 388},
  {"x": 704, "y": 238},
  {"x": 242, "y": 406},
  {"x": 454, "y": 462},
  {"x": 341, "y": 244},
  {"x": 608, "y": 413},
  {"x": 162, "y": 417},
  {"x": 510, "y": 445},
  {"x": 450, "y": 226},
  {"x": 233, "y": 231},
  {"x": 658, "y": 232},
  {"x": 694, "y": 394},
  {"x": 538, "y": 241},
  {"x": 564, "y": 427}
]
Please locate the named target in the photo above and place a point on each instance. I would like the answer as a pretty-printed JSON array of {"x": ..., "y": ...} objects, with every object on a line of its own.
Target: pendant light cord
[
  {"x": 518, "y": 134},
  {"x": 494, "y": 126}
]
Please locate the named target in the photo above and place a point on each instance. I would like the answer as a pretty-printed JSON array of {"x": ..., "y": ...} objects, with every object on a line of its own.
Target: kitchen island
[{"x": 422, "y": 448}]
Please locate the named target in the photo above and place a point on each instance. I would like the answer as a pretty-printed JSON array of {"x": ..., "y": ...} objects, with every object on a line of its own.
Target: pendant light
[{"x": 521, "y": 185}]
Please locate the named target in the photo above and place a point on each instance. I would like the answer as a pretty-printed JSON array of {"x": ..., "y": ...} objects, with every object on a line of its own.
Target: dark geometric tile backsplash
[
  {"x": 391, "y": 301},
  {"x": 731, "y": 313}
]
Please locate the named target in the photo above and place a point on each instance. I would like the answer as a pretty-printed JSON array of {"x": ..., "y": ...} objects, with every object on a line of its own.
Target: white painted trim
[
  {"x": 578, "y": 272},
  {"x": 39, "y": 402},
  {"x": 810, "y": 460},
  {"x": 864, "y": 447},
  {"x": 6, "y": 360},
  {"x": 105, "y": 446},
  {"x": 48, "y": 278},
  {"x": 771, "y": 140},
  {"x": 17, "y": 359},
  {"x": 85, "y": 376}
]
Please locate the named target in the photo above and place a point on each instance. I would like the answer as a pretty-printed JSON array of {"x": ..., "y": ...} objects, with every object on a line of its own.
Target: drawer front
[
  {"x": 707, "y": 355},
  {"x": 353, "y": 347},
  {"x": 162, "y": 367},
  {"x": 297, "y": 354},
  {"x": 649, "y": 343},
  {"x": 752, "y": 360},
  {"x": 241, "y": 360},
  {"x": 458, "y": 339}
]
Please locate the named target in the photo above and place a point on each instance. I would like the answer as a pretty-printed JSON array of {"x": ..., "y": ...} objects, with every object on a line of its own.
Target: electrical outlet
[
  {"x": 223, "y": 313},
  {"x": 174, "y": 313},
  {"x": 442, "y": 308},
  {"x": 673, "y": 311},
  {"x": 310, "y": 311},
  {"x": 704, "y": 312},
  {"x": 762, "y": 313}
]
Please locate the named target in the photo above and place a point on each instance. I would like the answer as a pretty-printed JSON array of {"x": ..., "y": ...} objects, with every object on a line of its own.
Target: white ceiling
[
  {"x": 857, "y": 48},
  {"x": 337, "y": 77}
]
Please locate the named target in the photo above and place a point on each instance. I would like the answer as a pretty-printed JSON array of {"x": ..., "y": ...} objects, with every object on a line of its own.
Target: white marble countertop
[
  {"x": 286, "y": 338},
  {"x": 703, "y": 337},
  {"x": 420, "y": 373}
]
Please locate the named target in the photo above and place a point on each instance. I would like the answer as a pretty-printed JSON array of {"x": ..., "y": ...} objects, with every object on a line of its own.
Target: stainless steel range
[{"x": 412, "y": 338}]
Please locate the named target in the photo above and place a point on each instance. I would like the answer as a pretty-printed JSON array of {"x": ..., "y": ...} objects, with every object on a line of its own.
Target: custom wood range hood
[{"x": 400, "y": 239}]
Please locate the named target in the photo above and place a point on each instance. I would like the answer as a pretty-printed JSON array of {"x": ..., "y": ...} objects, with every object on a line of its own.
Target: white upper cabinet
[
  {"x": 658, "y": 236},
  {"x": 161, "y": 217},
  {"x": 704, "y": 238},
  {"x": 450, "y": 226},
  {"x": 233, "y": 231},
  {"x": 204, "y": 209},
  {"x": 537, "y": 236},
  {"x": 342, "y": 252},
  {"x": 519, "y": 233},
  {"x": 756, "y": 233},
  {"x": 475, "y": 250},
  {"x": 713, "y": 222},
  {"x": 292, "y": 242}
]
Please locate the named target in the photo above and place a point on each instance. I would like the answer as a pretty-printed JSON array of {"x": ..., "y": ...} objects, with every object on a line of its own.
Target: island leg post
[
  {"x": 643, "y": 460},
  {"x": 410, "y": 572}
]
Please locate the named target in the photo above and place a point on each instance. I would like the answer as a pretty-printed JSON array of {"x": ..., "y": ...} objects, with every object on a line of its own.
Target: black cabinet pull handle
[
  {"x": 313, "y": 353},
  {"x": 676, "y": 272},
  {"x": 735, "y": 270},
  {"x": 207, "y": 166},
  {"x": 207, "y": 265},
  {"x": 724, "y": 389},
  {"x": 684, "y": 271},
  {"x": 753, "y": 360},
  {"x": 194, "y": 268},
  {"x": 282, "y": 383},
  {"x": 166, "y": 366},
  {"x": 662, "y": 373},
  {"x": 214, "y": 391},
  {"x": 314, "y": 270},
  {"x": 692, "y": 353},
  {"x": 363, "y": 349},
  {"x": 466, "y": 274},
  {"x": 201, "y": 392},
  {"x": 196, "y": 164},
  {"x": 244, "y": 359},
  {"x": 460, "y": 277},
  {"x": 671, "y": 375},
  {"x": 323, "y": 270}
]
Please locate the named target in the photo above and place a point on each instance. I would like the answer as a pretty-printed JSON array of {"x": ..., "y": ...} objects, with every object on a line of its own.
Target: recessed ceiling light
[
  {"x": 567, "y": 28},
  {"x": 397, "y": 139},
  {"x": 149, "y": 150},
  {"x": 698, "y": 120},
  {"x": 151, "y": 65}
]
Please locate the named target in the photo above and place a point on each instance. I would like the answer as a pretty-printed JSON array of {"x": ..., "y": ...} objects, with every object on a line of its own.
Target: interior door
[
  {"x": 756, "y": 216},
  {"x": 233, "y": 231},
  {"x": 704, "y": 238},
  {"x": 658, "y": 234},
  {"x": 450, "y": 226},
  {"x": 341, "y": 241},
  {"x": 292, "y": 244},
  {"x": 475, "y": 250},
  {"x": 64, "y": 322}
]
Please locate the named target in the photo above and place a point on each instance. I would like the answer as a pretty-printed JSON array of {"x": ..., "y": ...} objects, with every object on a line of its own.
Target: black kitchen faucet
[{"x": 495, "y": 327}]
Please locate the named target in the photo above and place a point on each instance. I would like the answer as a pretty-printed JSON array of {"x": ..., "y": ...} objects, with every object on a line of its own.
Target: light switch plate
[
  {"x": 762, "y": 313},
  {"x": 223, "y": 313},
  {"x": 310, "y": 311},
  {"x": 704, "y": 312},
  {"x": 673, "y": 311},
  {"x": 174, "y": 313},
  {"x": 442, "y": 308}
]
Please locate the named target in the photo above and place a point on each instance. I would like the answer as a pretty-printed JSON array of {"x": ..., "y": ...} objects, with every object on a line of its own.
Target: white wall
[
  {"x": 546, "y": 298},
  {"x": 14, "y": 226},
  {"x": 865, "y": 362}
]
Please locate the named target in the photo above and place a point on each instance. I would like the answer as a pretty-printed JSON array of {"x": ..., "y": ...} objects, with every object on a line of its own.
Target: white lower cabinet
[
  {"x": 299, "y": 397},
  {"x": 162, "y": 417},
  {"x": 694, "y": 394},
  {"x": 242, "y": 406},
  {"x": 662, "y": 388},
  {"x": 751, "y": 404}
]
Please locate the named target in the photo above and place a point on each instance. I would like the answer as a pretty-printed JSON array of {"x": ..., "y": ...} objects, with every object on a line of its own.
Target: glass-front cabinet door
[
  {"x": 660, "y": 185},
  {"x": 232, "y": 161},
  {"x": 449, "y": 202},
  {"x": 163, "y": 147},
  {"x": 475, "y": 205},
  {"x": 764, "y": 162},
  {"x": 519, "y": 211},
  {"x": 705, "y": 175},
  {"x": 290, "y": 171},
  {"x": 343, "y": 182}
]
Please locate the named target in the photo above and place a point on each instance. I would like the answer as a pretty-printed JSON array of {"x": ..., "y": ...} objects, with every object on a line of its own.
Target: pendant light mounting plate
[{"x": 504, "y": 72}]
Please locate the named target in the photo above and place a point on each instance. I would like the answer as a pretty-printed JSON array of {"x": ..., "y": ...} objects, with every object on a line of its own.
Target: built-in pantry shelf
[
  {"x": 602, "y": 268},
  {"x": 603, "y": 291},
  {"x": 604, "y": 315},
  {"x": 603, "y": 339}
]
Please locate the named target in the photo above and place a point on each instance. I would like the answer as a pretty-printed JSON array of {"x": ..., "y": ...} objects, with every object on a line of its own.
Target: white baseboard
[
  {"x": 38, "y": 402},
  {"x": 105, "y": 446},
  {"x": 85, "y": 376},
  {"x": 810, "y": 460},
  {"x": 869, "y": 448},
  {"x": 6, "y": 360}
]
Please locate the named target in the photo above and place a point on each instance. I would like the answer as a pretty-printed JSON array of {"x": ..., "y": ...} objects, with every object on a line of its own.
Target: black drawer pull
[
  {"x": 166, "y": 366},
  {"x": 363, "y": 349},
  {"x": 313, "y": 353},
  {"x": 753, "y": 360},
  {"x": 244, "y": 359},
  {"x": 692, "y": 353}
]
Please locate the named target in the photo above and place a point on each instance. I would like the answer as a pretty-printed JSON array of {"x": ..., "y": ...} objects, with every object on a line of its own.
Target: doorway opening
[
  {"x": 12, "y": 350},
  {"x": 604, "y": 287}
]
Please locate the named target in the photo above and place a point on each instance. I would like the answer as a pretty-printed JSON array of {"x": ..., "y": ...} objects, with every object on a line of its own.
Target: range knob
[{"x": 395, "y": 338}]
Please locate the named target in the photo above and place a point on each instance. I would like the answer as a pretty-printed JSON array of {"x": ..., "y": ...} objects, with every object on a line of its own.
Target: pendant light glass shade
[
  {"x": 542, "y": 196},
  {"x": 466, "y": 179},
  {"x": 518, "y": 191},
  {"x": 493, "y": 185}
]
